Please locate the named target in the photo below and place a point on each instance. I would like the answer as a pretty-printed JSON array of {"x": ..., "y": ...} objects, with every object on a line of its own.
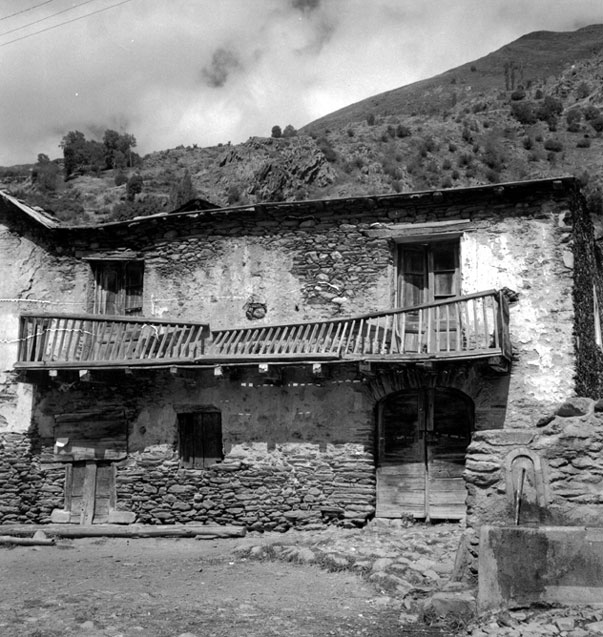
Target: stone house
[{"x": 288, "y": 364}]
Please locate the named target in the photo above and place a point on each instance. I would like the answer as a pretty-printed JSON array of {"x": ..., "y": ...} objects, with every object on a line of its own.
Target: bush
[
  {"x": 590, "y": 112},
  {"x": 554, "y": 145},
  {"x": 446, "y": 164},
  {"x": 327, "y": 149},
  {"x": 403, "y": 131},
  {"x": 597, "y": 123},
  {"x": 524, "y": 112},
  {"x": 120, "y": 178},
  {"x": 452, "y": 147},
  {"x": 583, "y": 143},
  {"x": 289, "y": 131},
  {"x": 134, "y": 186},
  {"x": 370, "y": 119},
  {"x": 350, "y": 132},
  {"x": 276, "y": 132},
  {"x": 528, "y": 143},
  {"x": 583, "y": 90},
  {"x": 517, "y": 95}
]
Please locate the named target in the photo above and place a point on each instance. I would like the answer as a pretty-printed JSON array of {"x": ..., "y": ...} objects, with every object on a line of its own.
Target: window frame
[{"x": 129, "y": 286}]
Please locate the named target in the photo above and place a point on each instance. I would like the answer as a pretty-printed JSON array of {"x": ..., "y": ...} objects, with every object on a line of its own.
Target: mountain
[{"x": 532, "y": 109}]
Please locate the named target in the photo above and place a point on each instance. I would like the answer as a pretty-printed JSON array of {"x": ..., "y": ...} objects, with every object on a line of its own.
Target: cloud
[
  {"x": 223, "y": 63},
  {"x": 203, "y": 72},
  {"x": 305, "y": 5}
]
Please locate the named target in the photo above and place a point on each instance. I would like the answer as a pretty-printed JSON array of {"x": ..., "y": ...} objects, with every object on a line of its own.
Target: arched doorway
[{"x": 423, "y": 436}]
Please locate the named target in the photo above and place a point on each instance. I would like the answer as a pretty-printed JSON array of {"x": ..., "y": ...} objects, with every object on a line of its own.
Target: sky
[{"x": 204, "y": 72}]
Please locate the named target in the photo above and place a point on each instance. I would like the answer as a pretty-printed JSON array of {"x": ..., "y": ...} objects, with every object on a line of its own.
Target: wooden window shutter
[{"x": 200, "y": 439}]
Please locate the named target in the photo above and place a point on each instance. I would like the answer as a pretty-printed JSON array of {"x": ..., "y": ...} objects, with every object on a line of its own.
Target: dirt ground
[{"x": 176, "y": 587}]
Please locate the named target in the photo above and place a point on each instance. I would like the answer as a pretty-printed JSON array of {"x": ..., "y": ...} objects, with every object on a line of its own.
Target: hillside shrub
[
  {"x": 583, "y": 143},
  {"x": 554, "y": 145},
  {"x": 289, "y": 131},
  {"x": 403, "y": 131},
  {"x": 583, "y": 90},
  {"x": 350, "y": 132},
  {"x": 538, "y": 94},
  {"x": 120, "y": 178},
  {"x": 327, "y": 149},
  {"x": 370, "y": 119},
  {"x": 276, "y": 132},
  {"x": 528, "y": 143},
  {"x": 524, "y": 112},
  {"x": 452, "y": 147},
  {"x": 573, "y": 118},
  {"x": 517, "y": 95},
  {"x": 597, "y": 123},
  {"x": 446, "y": 164},
  {"x": 590, "y": 112},
  {"x": 134, "y": 186}
]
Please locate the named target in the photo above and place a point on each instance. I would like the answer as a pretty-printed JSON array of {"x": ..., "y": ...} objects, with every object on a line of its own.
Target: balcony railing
[
  {"x": 86, "y": 340},
  {"x": 470, "y": 326},
  {"x": 466, "y": 327}
]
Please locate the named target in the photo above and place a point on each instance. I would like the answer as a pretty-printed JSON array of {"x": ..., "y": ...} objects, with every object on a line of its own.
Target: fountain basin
[{"x": 521, "y": 565}]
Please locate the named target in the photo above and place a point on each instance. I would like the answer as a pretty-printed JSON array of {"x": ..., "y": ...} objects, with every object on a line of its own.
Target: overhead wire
[
  {"x": 56, "y": 26},
  {"x": 48, "y": 17},
  {"x": 35, "y": 6}
]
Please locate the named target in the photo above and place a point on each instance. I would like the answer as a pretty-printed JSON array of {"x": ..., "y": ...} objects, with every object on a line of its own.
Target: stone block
[
  {"x": 121, "y": 517},
  {"x": 519, "y": 566},
  {"x": 60, "y": 516},
  {"x": 575, "y": 407},
  {"x": 449, "y": 607}
]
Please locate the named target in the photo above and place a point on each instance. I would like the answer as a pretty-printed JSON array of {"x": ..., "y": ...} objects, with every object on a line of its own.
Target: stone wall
[
  {"x": 291, "y": 485},
  {"x": 557, "y": 466},
  {"x": 29, "y": 491}
]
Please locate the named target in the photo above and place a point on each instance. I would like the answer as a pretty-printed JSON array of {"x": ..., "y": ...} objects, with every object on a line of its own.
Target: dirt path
[{"x": 167, "y": 588}]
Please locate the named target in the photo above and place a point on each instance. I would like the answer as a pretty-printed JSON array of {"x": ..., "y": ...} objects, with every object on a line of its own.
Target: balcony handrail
[
  {"x": 469, "y": 326},
  {"x": 111, "y": 317},
  {"x": 369, "y": 315}
]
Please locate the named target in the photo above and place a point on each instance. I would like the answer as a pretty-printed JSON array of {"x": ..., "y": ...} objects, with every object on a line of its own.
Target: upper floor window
[
  {"x": 427, "y": 272},
  {"x": 118, "y": 287}
]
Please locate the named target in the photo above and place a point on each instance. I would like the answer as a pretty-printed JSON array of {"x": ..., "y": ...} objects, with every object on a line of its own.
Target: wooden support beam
[
  {"x": 132, "y": 530},
  {"x": 26, "y": 541}
]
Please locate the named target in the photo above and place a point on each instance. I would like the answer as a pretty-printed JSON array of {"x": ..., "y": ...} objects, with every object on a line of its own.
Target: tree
[
  {"x": 289, "y": 131},
  {"x": 276, "y": 131},
  {"x": 74, "y": 151},
  {"x": 45, "y": 173},
  {"x": 118, "y": 149},
  {"x": 134, "y": 186}
]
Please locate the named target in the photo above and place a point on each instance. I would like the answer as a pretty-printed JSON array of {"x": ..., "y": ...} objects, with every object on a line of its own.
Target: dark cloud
[
  {"x": 305, "y": 5},
  {"x": 223, "y": 63}
]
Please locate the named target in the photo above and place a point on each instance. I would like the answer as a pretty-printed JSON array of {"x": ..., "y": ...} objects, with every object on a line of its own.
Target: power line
[
  {"x": 56, "y": 26},
  {"x": 12, "y": 15},
  {"x": 52, "y": 15}
]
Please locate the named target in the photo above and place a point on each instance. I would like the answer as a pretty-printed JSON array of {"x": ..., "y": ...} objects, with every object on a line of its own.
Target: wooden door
[
  {"x": 90, "y": 491},
  {"x": 446, "y": 447},
  {"x": 423, "y": 437}
]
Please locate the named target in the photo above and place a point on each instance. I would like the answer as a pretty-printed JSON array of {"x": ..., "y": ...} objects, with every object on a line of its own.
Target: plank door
[
  {"x": 401, "y": 471},
  {"x": 90, "y": 491},
  {"x": 446, "y": 447},
  {"x": 423, "y": 438}
]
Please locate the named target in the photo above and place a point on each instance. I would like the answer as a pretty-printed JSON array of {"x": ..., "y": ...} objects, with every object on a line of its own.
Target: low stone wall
[
  {"x": 290, "y": 485},
  {"x": 28, "y": 491},
  {"x": 557, "y": 467}
]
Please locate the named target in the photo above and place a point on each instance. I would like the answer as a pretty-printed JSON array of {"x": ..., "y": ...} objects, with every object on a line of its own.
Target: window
[
  {"x": 200, "y": 439},
  {"x": 118, "y": 287},
  {"x": 427, "y": 272}
]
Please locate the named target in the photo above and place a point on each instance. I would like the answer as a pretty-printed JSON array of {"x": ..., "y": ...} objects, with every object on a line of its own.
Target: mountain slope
[{"x": 532, "y": 109}]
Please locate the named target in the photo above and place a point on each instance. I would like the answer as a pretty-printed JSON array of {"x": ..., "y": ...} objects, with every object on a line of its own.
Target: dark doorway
[{"x": 423, "y": 436}]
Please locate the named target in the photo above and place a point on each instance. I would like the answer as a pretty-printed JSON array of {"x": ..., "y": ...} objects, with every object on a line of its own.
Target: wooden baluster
[
  {"x": 475, "y": 320},
  {"x": 486, "y": 327},
  {"x": 459, "y": 326},
  {"x": 420, "y": 336},
  {"x": 351, "y": 328},
  {"x": 359, "y": 344}
]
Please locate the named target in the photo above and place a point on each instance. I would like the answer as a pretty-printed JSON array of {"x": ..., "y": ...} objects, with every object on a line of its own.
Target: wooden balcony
[
  {"x": 91, "y": 341},
  {"x": 467, "y": 327}
]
